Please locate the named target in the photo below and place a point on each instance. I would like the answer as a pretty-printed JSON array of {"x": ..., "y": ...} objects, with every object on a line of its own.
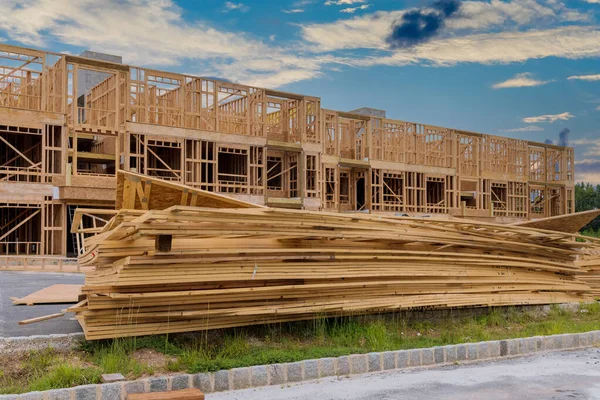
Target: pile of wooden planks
[
  {"x": 590, "y": 265},
  {"x": 190, "y": 268}
]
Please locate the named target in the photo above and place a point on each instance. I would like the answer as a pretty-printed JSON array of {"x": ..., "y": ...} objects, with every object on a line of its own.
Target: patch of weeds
[
  {"x": 44, "y": 370},
  {"x": 64, "y": 375},
  {"x": 116, "y": 358}
]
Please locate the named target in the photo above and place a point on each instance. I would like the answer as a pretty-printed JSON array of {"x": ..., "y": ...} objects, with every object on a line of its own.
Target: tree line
[{"x": 587, "y": 197}]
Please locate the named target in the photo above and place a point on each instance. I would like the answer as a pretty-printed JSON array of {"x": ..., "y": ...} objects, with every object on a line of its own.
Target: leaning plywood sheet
[
  {"x": 59, "y": 293},
  {"x": 142, "y": 192},
  {"x": 570, "y": 223}
]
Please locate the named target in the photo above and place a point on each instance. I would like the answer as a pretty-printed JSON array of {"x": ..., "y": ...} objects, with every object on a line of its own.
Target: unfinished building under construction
[{"x": 68, "y": 123}]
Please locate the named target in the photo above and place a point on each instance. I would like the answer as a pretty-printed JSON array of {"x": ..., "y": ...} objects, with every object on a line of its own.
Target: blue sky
[{"x": 519, "y": 68}]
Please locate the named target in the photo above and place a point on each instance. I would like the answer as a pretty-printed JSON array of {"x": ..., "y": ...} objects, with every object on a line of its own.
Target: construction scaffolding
[{"x": 68, "y": 124}]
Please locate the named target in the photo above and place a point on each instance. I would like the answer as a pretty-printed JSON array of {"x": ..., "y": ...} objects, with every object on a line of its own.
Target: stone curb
[
  {"x": 58, "y": 342},
  {"x": 279, "y": 374}
]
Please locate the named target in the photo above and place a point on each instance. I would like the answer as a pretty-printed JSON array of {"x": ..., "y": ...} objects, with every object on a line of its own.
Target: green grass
[
  {"x": 63, "y": 375},
  {"x": 289, "y": 342},
  {"x": 45, "y": 370},
  {"x": 342, "y": 336}
]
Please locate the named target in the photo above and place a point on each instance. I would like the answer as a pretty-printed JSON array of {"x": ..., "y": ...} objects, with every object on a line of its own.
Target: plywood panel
[
  {"x": 59, "y": 293},
  {"x": 570, "y": 223},
  {"x": 165, "y": 194}
]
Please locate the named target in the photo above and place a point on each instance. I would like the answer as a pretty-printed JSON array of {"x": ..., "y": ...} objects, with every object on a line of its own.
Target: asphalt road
[
  {"x": 20, "y": 284},
  {"x": 571, "y": 375}
]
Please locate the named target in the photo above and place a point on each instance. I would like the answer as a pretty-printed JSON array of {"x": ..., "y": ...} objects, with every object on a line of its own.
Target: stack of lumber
[
  {"x": 190, "y": 268},
  {"x": 590, "y": 265},
  {"x": 589, "y": 261}
]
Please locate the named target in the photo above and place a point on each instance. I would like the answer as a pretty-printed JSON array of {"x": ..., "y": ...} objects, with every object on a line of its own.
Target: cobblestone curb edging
[
  {"x": 279, "y": 374},
  {"x": 62, "y": 342}
]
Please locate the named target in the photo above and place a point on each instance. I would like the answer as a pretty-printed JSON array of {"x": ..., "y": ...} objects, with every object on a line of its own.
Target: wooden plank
[
  {"x": 184, "y": 394},
  {"x": 184, "y": 197},
  {"x": 40, "y": 319},
  {"x": 146, "y": 198}
]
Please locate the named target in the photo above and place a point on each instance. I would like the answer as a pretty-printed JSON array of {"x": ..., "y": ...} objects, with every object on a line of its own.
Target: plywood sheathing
[
  {"x": 59, "y": 293},
  {"x": 570, "y": 223},
  {"x": 141, "y": 192}
]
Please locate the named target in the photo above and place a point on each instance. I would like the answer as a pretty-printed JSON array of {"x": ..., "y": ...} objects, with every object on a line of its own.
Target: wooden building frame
[{"x": 64, "y": 137}]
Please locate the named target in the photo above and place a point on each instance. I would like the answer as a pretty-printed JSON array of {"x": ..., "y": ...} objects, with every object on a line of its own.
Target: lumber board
[
  {"x": 183, "y": 394},
  {"x": 40, "y": 319}
]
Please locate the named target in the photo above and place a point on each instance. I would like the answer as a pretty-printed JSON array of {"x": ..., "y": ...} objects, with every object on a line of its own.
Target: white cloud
[
  {"x": 481, "y": 14},
  {"x": 585, "y": 141},
  {"x": 351, "y": 10},
  {"x": 585, "y": 77},
  {"x": 343, "y": 2},
  {"x": 591, "y": 147},
  {"x": 280, "y": 78},
  {"x": 299, "y": 6},
  {"x": 531, "y": 128},
  {"x": 588, "y": 147},
  {"x": 549, "y": 118},
  {"x": 588, "y": 170},
  {"x": 498, "y": 48},
  {"x": 587, "y": 177},
  {"x": 598, "y": 108},
  {"x": 142, "y": 31},
  {"x": 154, "y": 33},
  {"x": 230, "y": 6},
  {"x": 587, "y": 161},
  {"x": 371, "y": 30},
  {"x": 367, "y": 31},
  {"x": 592, "y": 1},
  {"x": 520, "y": 80}
]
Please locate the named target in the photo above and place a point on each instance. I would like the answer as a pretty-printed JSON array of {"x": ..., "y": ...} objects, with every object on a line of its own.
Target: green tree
[{"x": 587, "y": 197}]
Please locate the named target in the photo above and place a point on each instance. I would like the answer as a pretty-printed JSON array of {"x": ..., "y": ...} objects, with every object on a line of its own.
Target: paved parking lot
[{"x": 19, "y": 284}]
